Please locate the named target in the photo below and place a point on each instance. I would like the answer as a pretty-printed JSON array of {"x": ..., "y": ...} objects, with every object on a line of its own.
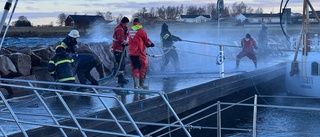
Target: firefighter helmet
[{"x": 74, "y": 34}]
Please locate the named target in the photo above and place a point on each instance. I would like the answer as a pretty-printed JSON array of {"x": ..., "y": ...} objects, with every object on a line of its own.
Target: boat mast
[{"x": 304, "y": 35}]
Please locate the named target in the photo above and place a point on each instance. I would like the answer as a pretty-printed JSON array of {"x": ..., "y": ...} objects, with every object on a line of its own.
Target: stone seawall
[{"x": 30, "y": 63}]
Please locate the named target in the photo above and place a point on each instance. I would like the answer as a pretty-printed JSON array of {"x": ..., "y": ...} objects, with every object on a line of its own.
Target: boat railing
[
  {"x": 12, "y": 114},
  {"x": 223, "y": 106},
  {"x": 96, "y": 91}
]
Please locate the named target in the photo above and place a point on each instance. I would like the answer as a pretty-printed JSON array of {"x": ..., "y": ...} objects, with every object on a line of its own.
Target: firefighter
[
  {"x": 138, "y": 42},
  {"x": 248, "y": 45},
  {"x": 168, "y": 49},
  {"x": 83, "y": 62},
  {"x": 70, "y": 42},
  {"x": 118, "y": 48},
  {"x": 61, "y": 67}
]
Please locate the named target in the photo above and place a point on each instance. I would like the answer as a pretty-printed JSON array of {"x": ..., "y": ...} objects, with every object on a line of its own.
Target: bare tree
[
  {"x": 161, "y": 12},
  {"x": 240, "y": 8},
  {"x": 259, "y": 10},
  {"x": 22, "y": 22},
  {"x": 192, "y": 10},
  {"x": 153, "y": 12},
  {"x": 107, "y": 15},
  {"x": 212, "y": 10},
  {"x": 61, "y": 18}
]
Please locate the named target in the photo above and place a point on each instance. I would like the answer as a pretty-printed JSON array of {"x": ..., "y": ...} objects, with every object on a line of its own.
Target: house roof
[
  {"x": 86, "y": 18},
  {"x": 260, "y": 15},
  {"x": 194, "y": 16}
]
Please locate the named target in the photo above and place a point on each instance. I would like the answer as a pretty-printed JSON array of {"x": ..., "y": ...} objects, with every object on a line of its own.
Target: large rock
[
  {"x": 7, "y": 68},
  {"x": 23, "y": 91},
  {"x": 41, "y": 56},
  {"x": 22, "y": 63}
]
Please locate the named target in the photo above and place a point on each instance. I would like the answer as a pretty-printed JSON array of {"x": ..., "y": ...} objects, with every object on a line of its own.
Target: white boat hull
[{"x": 307, "y": 81}]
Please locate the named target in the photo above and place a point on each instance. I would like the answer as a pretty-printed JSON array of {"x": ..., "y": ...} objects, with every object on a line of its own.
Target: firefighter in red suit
[
  {"x": 248, "y": 45},
  {"x": 118, "y": 47},
  {"x": 138, "y": 42}
]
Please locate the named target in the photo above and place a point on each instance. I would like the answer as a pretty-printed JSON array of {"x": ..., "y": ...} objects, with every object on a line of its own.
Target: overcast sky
[{"x": 47, "y": 11}]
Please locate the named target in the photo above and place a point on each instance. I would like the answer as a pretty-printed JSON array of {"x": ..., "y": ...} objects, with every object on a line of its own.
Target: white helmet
[{"x": 74, "y": 34}]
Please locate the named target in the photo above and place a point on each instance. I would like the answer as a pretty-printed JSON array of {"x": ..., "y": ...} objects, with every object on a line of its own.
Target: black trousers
[
  {"x": 170, "y": 54},
  {"x": 118, "y": 55},
  {"x": 83, "y": 73}
]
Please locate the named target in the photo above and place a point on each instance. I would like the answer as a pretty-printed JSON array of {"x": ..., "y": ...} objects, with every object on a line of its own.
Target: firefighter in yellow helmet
[{"x": 61, "y": 67}]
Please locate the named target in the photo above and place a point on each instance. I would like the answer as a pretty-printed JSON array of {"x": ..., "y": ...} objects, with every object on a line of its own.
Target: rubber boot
[
  {"x": 122, "y": 80},
  {"x": 136, "y": 83},
  {"x": 141, "y": 82}
]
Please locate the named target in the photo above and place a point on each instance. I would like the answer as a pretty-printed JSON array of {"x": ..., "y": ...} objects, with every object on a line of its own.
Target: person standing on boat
[
  {"x": 118, "y": 48},
  {"x": 248, "y": 45},
  {"x": 84, "y": 63},
  {"x": 169, "y": 51},
  {"x": 263, "y": 41},
  {"x": 61, "y": 67},
  {"x": 138, "y": 42}
]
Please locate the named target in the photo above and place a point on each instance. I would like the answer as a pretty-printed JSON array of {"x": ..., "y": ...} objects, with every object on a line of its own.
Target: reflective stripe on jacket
[
  {"x": 61, "y": 67},
  {"x": 138, "y": 41}
]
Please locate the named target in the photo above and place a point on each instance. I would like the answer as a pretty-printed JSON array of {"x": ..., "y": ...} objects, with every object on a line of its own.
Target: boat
[{"x": 303, "y": 73}]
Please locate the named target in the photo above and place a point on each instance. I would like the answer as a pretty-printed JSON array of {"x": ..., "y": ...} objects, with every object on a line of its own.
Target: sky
[{"x": 45, "y": 12}]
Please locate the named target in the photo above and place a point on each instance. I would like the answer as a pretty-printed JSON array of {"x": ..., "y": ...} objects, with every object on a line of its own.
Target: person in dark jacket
[
  {"x": 70, "y": 42},
  {"x": 169, "y": 51},
  {"x": 61, "y": 67},
  {"x": 83, "y": 62},
  {"x": 118, "y": 48}
]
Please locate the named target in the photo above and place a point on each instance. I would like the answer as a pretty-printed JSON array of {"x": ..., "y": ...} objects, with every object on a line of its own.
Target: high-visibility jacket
[
  {"x": 138, "y": 41},
  {"x": 61, "y": 66},
  {"x": 119, "y": 37}
]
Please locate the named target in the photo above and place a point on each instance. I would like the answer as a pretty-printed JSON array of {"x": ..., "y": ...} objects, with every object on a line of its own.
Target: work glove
[{"x": 152, "y": 45}]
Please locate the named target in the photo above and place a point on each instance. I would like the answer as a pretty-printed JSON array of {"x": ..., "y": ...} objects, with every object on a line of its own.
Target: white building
[{"x": 194, "y": 18}]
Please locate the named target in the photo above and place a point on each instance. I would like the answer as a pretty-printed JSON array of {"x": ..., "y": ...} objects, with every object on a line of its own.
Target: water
[{"x": 271, "y": 122}]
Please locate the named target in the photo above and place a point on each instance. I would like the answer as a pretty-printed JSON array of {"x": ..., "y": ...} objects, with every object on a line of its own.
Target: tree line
[{"x": 166, "y": 13}]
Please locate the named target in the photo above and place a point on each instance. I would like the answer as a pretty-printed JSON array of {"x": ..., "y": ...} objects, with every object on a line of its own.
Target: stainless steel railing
[{"x": 97, "y": 91}]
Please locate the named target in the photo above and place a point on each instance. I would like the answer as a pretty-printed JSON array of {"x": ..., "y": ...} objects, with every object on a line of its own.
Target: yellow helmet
[{"x": 60, "y": 46}]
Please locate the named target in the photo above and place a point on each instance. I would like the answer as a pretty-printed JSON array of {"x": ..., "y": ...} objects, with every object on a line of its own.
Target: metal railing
[
  {"x": 20, "y": 117},
  {"x": 101, "y": 92},
  {"x": 227, "y": 105}
]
